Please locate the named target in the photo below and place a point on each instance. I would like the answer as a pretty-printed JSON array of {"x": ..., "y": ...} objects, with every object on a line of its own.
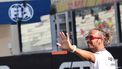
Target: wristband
[{"x": 74, "y": 48}]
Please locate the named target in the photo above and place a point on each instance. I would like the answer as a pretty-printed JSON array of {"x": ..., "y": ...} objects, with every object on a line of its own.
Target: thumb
[{"x": 58, "y": 44}]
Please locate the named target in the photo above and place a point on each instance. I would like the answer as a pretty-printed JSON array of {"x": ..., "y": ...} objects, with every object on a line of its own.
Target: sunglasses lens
[
  {"x": 86, "y": 37},
  {"x": 89, "y": 37}
]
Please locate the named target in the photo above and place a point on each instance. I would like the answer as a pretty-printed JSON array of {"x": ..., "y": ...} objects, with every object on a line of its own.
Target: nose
[{"x": 88, "y": 41}]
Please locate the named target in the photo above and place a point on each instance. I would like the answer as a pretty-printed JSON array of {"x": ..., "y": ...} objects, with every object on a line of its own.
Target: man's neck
[{"x": 101, "y": 49}]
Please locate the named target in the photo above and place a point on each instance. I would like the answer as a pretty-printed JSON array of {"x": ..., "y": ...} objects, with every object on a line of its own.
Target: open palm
[{"x": 65, "y": 42}]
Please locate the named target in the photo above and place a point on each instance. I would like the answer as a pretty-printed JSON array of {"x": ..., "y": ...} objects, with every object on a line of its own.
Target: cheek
[
  {"x": 90, "y": 45},
  {"x": 95, "y": 43}
]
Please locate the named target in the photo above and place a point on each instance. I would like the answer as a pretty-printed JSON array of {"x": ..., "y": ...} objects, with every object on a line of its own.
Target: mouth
[{"x": 89, "y": 43}]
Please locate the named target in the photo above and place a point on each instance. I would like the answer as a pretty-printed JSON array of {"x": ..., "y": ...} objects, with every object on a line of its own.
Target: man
[{"x": 100, "y": 58}]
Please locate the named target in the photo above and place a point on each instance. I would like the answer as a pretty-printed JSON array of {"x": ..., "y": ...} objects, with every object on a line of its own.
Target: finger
[
  {"x": 62, "y": 35},
  {"x": 60, "y": 38},
  {"x": 60, "y": 41},
  {"x": 67, "y": 36}
]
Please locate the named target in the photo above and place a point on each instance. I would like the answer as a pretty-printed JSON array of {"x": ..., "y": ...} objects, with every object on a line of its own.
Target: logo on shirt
[
  {"x": 112, "y": 61},
  {"x": 110, "y": 58},
  {"x": 20, "y": 12}
]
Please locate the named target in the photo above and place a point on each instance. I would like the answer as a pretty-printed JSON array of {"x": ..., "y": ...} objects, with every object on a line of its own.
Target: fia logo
[{"x": 20, "y": 12}]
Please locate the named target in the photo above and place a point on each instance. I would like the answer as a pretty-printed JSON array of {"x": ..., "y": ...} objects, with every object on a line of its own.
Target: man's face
[{"x": 92, "y": 40}]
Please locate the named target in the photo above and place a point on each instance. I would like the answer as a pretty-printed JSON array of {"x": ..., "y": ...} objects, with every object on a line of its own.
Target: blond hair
[{"x": 106, "y": 34}]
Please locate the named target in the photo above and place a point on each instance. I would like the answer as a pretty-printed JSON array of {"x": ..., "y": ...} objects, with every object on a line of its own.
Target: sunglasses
[{"x": 90, "y": 37}]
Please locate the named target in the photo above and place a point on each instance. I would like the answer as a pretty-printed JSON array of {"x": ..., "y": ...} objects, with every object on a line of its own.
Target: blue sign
[{"x": 24, "y": 11}]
